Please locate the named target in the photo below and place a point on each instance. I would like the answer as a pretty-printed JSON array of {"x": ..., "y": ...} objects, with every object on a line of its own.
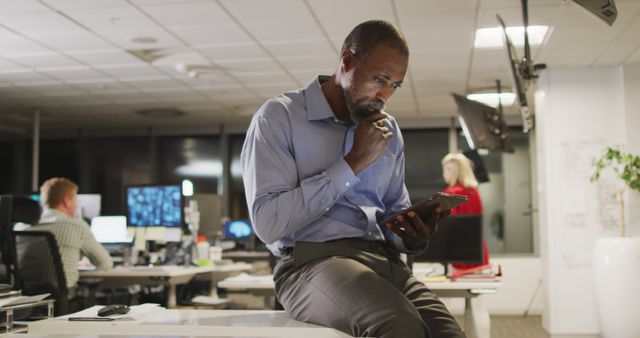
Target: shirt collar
[
  {"x": 318, "y": 107},
  {"x": 52, "y": 215}
]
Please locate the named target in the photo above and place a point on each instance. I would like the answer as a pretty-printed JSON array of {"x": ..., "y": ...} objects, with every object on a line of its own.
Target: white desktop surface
[
  {"x": 204, "y": 323},
  {"x": 168, "y": 275}
]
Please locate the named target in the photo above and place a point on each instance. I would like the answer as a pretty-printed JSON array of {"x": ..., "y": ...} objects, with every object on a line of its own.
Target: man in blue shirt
[{"x": 322, "y": 166}]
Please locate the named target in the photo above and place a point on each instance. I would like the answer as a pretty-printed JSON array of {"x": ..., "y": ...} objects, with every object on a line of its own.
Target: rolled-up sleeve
[
  {"x": 94, "y": 251},
  {"x": 279, "y": 203}
]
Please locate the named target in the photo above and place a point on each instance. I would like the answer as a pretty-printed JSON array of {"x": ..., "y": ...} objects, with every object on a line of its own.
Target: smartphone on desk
[{"x": 423, "y": 208}]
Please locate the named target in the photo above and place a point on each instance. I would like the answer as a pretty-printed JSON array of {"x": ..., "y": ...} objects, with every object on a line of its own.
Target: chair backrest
[
  {"x": 39, "y": 266},
  {"x": 14, "y": 209}
]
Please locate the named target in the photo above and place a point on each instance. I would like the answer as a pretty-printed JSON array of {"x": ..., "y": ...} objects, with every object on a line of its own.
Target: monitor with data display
[
  {"x": 154, "y": 205},
  {"x": 237, "y": 229}
]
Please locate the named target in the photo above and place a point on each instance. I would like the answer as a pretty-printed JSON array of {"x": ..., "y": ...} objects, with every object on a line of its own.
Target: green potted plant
[
  {"x": 616, "y": 260},
  {"x": 626, "y": 167}
]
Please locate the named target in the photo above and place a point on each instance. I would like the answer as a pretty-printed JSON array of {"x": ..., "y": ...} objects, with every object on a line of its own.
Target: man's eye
[
  {"x": 396, "y": 85},
  {"x": 380, "y": 80}
]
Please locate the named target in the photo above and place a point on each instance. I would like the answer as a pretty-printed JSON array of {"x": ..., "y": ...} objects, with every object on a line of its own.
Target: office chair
[
  {"x": 40, "y": 268},
  {"x": 14, "y": 209}
]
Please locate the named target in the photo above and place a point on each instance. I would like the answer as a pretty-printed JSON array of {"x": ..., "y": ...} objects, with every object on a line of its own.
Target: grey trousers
[{"x": 361, "y": 288}]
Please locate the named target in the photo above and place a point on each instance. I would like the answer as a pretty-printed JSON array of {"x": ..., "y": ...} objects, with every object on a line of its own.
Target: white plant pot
[{"x": 616, "y": 264}]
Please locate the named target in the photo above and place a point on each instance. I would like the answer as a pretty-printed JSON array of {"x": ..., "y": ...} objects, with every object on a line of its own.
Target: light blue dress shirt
[{"x": 298, "y": 185}]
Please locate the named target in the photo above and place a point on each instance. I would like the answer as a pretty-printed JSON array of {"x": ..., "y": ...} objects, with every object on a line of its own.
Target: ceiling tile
[
  {"x": 124, "y": 39},
  {"x": 6, "y": 34},
  {"x": 155, "y": 2},
  {"x": 340, "y": 17},
  {"x": 405, "y": 7},
  {"x": 233, "y": 52},
  {"x": 201, "y": 36},
  {"x": 6, "y": 64},
  {"x": 326, "y": 62},
  {"x": 616, "y": 53},
  {"x": 208, "y": 81},
  {"x": 128, "y": 71},
  {"x": 76, "y": 42},
  {"x": 20, "y": 46},
  {"x": 19, "y": 6},
  {"x": 107, "y": 57},
  {"x": 157, "y": 83},
  {"x": 272, "y": 89},
  {"x": 34, "y": 24},
  {"x": 301, "y": 48},
  {"x": 181, "y": 15},
  {"x": 77, "y": 4},
  {"x": 75, "y": 74},
  {"x": 252, "y": 78},
  {"x": 112, "y": 19},
  {"x": 44, "y": 60},
  {"x": 283, "y": 25},
  {"x": 587, "y": 43},
  {"x": 14, "y": 76},
  {"x": 249, "y": 65},
  {"x": 492, "y": 4}
]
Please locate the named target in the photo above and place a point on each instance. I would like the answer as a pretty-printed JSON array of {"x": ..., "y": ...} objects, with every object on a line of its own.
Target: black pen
[{"x": 91, "y": 319}]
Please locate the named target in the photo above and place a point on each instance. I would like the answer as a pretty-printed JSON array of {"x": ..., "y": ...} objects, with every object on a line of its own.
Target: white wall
[
  {"x": 631, "y": 74},
  {"x": 579, "y": 111}
]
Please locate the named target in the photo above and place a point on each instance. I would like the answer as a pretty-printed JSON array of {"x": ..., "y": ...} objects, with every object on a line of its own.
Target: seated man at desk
[
  {"x": 322, "y": 166},
  {"x": 73, "y": 235}
]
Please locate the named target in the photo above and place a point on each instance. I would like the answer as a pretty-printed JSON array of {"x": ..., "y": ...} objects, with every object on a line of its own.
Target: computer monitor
[
  {"x": 240, "y": 231},
  {"x": 458, "y": 239},
  {"x": 110, "y": 229},
  {"x": 89, "y": 205},
  {"x": 155, "y": 205}
]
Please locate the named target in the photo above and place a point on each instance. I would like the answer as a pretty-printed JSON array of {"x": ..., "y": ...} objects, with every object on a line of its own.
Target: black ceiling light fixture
[{"x": 603, "y": 10}]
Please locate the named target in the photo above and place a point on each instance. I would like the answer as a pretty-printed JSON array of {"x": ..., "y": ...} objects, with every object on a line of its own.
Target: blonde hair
[
  {"x": 54, "y": 190},
  {"x": 464, "y": 174}
]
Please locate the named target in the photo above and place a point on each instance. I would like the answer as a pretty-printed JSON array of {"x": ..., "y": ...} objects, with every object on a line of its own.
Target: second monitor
[{"x": 154, "y": 205}]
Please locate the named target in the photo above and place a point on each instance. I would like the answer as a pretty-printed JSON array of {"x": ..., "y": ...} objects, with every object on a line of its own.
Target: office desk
[
  {"x": 477, "y": 322},
  {"x": 191, "y": 323},
  {"x": 169, "y": 276}
]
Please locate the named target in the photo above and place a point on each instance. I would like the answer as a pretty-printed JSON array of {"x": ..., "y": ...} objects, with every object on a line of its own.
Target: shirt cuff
[{"x": 341, "y": 176}]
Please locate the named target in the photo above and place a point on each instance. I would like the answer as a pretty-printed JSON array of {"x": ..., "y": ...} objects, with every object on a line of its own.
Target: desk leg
[
  {"x": 477, "y": 322},
  {"x": 172, "y": 299}
]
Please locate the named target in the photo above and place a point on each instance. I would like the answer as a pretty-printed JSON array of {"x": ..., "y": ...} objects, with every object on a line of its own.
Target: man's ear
[
  {"x": 348, "y": 61},
  {"x": 66, "y": 201}
]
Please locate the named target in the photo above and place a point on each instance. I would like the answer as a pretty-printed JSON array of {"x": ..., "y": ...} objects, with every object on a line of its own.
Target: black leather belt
[{"x": 286, "y": 251}]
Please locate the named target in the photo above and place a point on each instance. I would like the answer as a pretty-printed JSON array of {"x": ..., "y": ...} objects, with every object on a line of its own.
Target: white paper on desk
[
  {"x": 17, "y": 300},
  {"x": 136, "y": 312},
  {"x": 245, "y": 277}
]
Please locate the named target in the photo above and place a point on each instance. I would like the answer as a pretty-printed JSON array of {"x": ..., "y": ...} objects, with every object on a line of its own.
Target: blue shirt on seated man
[{"x": 322, "y": 166}]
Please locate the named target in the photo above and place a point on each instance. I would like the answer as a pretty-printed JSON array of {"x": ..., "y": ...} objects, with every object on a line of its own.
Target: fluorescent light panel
[
  {"x": 491, "y": 99},
  {"x": 492, "y": 37}
]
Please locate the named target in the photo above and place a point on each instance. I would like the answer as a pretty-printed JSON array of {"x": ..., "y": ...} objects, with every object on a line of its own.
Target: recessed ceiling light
[
  {"x": 491, "y": 99},
  {"x": 144, "y": 40},
  {"x": 161, "y": 112},
  {"x": 492, "y": 37}
]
